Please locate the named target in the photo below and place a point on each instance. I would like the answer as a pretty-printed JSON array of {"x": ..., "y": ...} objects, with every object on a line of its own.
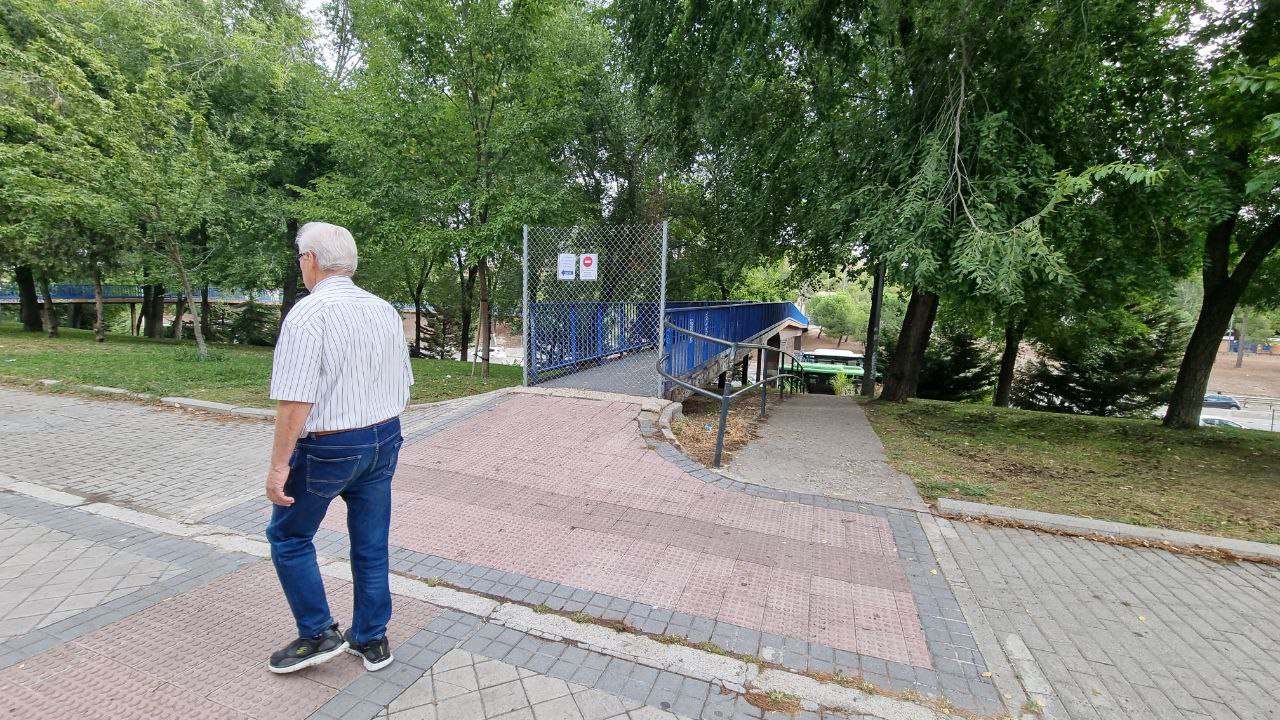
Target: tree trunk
[
  {"x": 152, "y": 310},
  {"x": 204, "y": 310},
  {"x": 140, "y": 329},
  {"x": 176, "y": 254},
  {"x": 288, "y": 296},
  {"x": 1197, "y": 364},
  {"x": 903, "y": 376},
  {"x": 179, "y": 309},
  {"x": 99, "y": 319},
  {"x": 871, "y": 351},
  {"x": 467, "y": 283},
  {"x": 1013, "y": 332},
  {"x": 1222, "y": 291},
  {"x": 50, "y": 314},
  {"x": 486, "y": 321},
  {"x": 417, "y": 325},
  {"x": 416, "y": 288},
  {"x": 29, "y": 303},
  {"x": 1244, "y": 329}
]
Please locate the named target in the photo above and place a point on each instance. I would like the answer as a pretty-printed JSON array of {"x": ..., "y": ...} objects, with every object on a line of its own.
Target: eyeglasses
[{"x": 307, "y": 252}]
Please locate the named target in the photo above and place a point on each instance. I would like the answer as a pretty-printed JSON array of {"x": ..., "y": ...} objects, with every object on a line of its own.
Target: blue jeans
[{"x": 357, "y": 466}]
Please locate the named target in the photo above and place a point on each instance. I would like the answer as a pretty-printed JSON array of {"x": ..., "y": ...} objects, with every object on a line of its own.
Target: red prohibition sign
[{"x": 586, "y": 261}]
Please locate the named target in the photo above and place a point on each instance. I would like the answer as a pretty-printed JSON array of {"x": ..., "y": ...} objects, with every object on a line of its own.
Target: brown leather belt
[{"x": 317, "y": 433}]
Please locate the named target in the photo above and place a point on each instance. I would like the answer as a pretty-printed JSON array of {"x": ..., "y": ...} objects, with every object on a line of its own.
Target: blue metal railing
[
  {"x": 571, "y": 334},
  {"x": 566, "y": 336},
  {"x": 787, "y": 374},
  {"x": 728, "y": 323},
  {"x": 73, "y": 292}
]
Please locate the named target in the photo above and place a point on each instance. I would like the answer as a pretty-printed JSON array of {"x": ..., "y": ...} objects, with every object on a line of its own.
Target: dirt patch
[
  {"x": 696, "y": 433},
  {"x": 1259, "y": 375}
]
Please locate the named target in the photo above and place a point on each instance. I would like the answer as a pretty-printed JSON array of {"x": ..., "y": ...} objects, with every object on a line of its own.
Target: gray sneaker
[
  {"x": 375, "y": 653},
  {"x": 306, "y": 652}
]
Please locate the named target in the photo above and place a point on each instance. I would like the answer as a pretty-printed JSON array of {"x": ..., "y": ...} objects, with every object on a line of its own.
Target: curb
[
  {"x": 1244, "y": 549},
  {"x": 210, "y": 406},
  {"x": 217, "y": 407},
  {"x": 650, "y": 404}
]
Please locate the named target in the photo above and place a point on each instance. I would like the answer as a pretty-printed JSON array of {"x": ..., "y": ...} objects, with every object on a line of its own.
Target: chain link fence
[{"x": 594, "y": 298}]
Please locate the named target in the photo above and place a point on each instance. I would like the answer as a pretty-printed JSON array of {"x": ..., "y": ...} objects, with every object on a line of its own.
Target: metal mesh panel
[{"x": 601, "y": 333}]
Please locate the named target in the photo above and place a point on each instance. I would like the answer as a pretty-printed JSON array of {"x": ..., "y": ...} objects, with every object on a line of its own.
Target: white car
[{"x": 1219, "y": 422}]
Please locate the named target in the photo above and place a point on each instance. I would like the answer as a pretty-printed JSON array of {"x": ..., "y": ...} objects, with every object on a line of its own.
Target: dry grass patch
[{"x": 697, "y": 430}]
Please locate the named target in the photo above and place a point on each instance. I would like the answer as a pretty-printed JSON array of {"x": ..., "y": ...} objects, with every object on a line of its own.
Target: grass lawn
[
  {"x": 1219, "y": 481},
  {"x": 234, "y": 374}
]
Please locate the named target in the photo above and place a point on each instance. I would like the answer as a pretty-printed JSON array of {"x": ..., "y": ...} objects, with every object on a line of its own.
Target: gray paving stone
[{"x": 1120, "y": 631}]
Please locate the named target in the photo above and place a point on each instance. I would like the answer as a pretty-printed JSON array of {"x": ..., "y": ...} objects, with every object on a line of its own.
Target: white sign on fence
[
  {"x": 566, "y": 266},
  {"x": 588, "y": 266}
]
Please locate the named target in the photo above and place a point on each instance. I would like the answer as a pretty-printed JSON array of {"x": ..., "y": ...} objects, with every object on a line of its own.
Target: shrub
[
  {"x": 1119, "y": 363},
  {"x": 253, "y": 325},
  {"x": 957, "y": 366}
]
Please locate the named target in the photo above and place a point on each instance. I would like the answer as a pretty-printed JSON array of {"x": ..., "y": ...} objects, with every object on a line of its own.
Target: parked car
[
  {"x": 1219, "y": 422},
  {"x": 820, "y": 366},
  {"x": 1218, "y": 400}
]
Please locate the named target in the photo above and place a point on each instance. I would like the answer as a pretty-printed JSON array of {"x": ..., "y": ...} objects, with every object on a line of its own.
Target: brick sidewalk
[
  {"x": 1129, "y": 633},
  {"x": 562, "y": 502},
  {"x": 168, "y": 461},
  {"x": 174, "y": 629},
  {"x": 565, "y": 503}
]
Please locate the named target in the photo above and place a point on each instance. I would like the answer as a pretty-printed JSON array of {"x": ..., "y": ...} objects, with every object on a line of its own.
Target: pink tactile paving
[
  {"x": 198, "y": 655},
  {"x": 566, "y": 490}
]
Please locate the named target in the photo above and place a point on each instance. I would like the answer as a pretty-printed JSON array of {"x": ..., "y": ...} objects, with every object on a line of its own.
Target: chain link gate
[{"x": 594, "y": 299}]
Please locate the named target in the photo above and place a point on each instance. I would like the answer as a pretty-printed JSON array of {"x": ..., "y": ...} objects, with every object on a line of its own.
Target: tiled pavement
[
  {"x": 139, "y": 567},
  {"x": 193, "y": 644},
  {"x": 1130, "y": 633},
  {"x": 1108, "y": 632},
  {"x": 48, "y": 575},
  {"x": 462, "y": 684},
  {"x": 581, "y": 513},
  {"x": 164, "y": 460}
]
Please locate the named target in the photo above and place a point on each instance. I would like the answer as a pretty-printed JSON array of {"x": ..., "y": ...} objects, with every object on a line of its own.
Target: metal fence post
[
  {"x": 764, "y": 389},
  {"x": 724, "y": 410},
  {"x": 524, "y": 317},
  {"x": 779, "y": 369},
  {"x": 662, "y": 304}
]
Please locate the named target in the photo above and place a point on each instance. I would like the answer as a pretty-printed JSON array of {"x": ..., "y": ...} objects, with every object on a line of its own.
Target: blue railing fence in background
[
  {"x": 787, "y": 372},
  {"x": 1263, "y": 347},
  {"x": 83, "y": 293},
  {"x": 729, "y": 323},
  {"x": 573, "y": 334}
]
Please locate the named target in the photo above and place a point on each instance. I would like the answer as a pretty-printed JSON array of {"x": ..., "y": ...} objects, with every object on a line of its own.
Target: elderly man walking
[{"x": 341, "y": 377}]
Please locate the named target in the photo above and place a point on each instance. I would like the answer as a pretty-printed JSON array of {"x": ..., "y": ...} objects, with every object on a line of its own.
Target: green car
[{"x": 820, "y": 366}]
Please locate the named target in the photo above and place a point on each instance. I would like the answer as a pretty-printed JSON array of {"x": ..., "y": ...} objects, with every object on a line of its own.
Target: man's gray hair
[{"x": 332, "y": 245}]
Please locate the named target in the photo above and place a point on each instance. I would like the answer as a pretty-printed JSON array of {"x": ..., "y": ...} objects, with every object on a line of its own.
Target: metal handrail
[{"x": 725, "y": 395}]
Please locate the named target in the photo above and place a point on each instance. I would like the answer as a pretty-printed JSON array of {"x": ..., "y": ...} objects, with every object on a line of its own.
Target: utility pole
[{"x": 1244, "y": 320}]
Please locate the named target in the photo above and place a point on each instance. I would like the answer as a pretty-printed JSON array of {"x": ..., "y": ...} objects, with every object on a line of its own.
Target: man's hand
[
  {"x": 290, "y": 417},
  {"x": 276, "y": 478}
]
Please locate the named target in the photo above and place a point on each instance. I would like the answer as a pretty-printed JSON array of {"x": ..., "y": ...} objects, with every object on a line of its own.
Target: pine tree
[
  {"x": 1122, "y": 364},
  {"x": 957, "y": 366}
]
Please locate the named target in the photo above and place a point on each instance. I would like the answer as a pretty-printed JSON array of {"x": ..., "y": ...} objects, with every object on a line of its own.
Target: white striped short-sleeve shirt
[{"x": 344, "y": 350}]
